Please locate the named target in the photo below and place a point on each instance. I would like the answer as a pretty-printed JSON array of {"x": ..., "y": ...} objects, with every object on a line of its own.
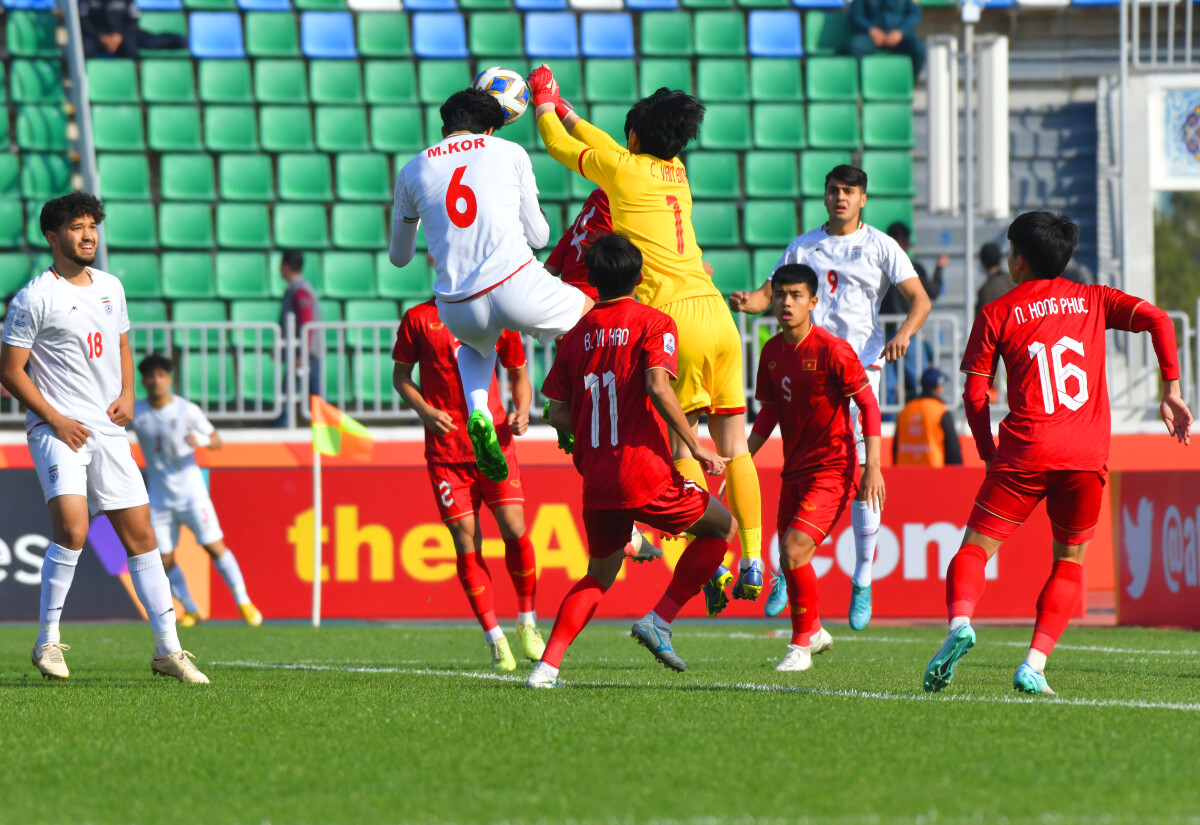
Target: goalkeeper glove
[{"x": 543, "y": 88}]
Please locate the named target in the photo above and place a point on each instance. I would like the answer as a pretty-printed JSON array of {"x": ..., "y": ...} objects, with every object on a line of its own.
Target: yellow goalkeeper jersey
[{"x": 651, "y": 204}]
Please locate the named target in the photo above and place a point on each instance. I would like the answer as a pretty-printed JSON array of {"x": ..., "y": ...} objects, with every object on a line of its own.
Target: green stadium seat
[
  {"x": 305, "y": 177},
  {"x": 372, "y": 311},
  {"x": 208, "y": 379},
  {"x": 143, "y": 341},
  {"x": 320, "y": 5},
  {"x": 765, "y": 4},
  {"x": 770, "y": 223},
  {"x": 523, "y": 133},
  {"x": 243, "y": 226},
  {"x": 726, "y": 126},
  {"x": 438, "y": 79},
  {"x": 666, "y": 72},
  {"x": 814, "y": 166},
  {"x": 256, "y": 375},
  {"x": 314, "y": 269},
  {"x": 716, "y": 224},
  {"x": 775, "y": 79},
  {"x": 187, "y": 178},
  {"x": 834, "y": 126},
  {"x": 10, "y": 175},
  {"x": 42, "y": 128},
  {"x": 185, "y": 226},
  {"x": 174, "y": 129},
  {"x": 412, "y": 284},
  {"x": 130, "y": 225},
  {"x": 581, "y": 188},
  {"x": 772, "y": 175},
  {"x": 187, "y": 275},
  {"x": 301, "y": 226},
  {"x": 164, "y": 22},
  {"x": 498, "y": 34},
  {"x": 243, "y": 275},
  {"x": 484, "y": 5},
  {"x": 31, "y": 34},
  {"x": 36, "y": 81},
  {"x": 280, "y": 81},
  {"x": 124, "y": 177},
  {"x": 225, "y": 81},
  {"x": 15, "y": 271},
  {"x": 45, "y": 176},
  {"x": 33, "y": 230},
  {"x": 210, "y": 5},
  {"x": 397, "y": 129},
  {"x": 832, "y": 78},
  {"x": 272, "y": 34},
  {"x": 390, "y": 82},
  {"x": 168, "y": 81},
  {"x": 12, "y": 223},
  {"x": 731, "y": 270},
  {"x": 887, "y": 77},
  {"x": 342, "y": 129},
  {"x": 363, "y": 177},
  {"x": 826, "y": 32},
  {"x": 230, "y": 129},
  {"x": 246, "y": 178},
  {"x": 707, "y": 4},
  {"x": 383, "y": 34},
  {"x": 610, "y": 117},
  {"x": 883, "y": 212},
  {"x": 779, "y": 126},
  {"x": 359, "y": 226},
  {"x": 335, "y": 374},
  {"x": 889, "y": 173},
  {"x": 433, "y": 126},
  {"x": 885, "y": 125},
  {"x": 335, "y": 81},
  {"x": 720, "y": 33},
  {"x": 373, "y": 378},
  {"x": 569, "y": 74},
  {"x": 714, "y": 175},
  {"x": 254, "y": 312},
  {"x": 762, "y": 264},
  {"x": 666, "y": 34},
  {"x": 138, "y": 272},
  {"x": 349, "y": 275},
  {"x": 610, "y": 81},
  {"x": 554, "y": 219},
  {"x": 722, "y": 80},
  {"x": 4, "y": 134},
  {"x": 813, "y": 214},
  {"x": 553, "y": 179},
  {"x": 112, "y": 81},
  {"x": 286, "y": 129}
]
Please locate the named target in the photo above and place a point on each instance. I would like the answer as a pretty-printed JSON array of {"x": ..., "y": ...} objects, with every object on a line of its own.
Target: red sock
[
  {"x": 1059, "y": 599},
  {"x": 696, "y": 566},
  {"x": 477, "y": 584},
  {"x": 575, "y": 612},
  {"x": 522, "y": 569},
  {"x": 803, "y": 593},
  {"x": 964, "y": 580}
]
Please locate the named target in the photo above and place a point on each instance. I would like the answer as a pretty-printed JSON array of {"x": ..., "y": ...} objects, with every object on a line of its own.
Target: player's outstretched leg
[
  {"x": 477, "y": 371},
  {"x": 1058, "y": 600},
  {"x": 864, "y": 521},
  {"x": 964, "y": 586},
  {"x": 808, "y": 637},
  {"x": 640, "y": 548}
]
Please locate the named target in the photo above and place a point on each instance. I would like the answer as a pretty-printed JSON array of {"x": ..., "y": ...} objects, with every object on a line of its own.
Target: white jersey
[
  {"x": 173, "y": 478},
  {"x": 853, "y": 273},
  {"x": 74, "y": 337},
  {"x": 467, "y": 192}
]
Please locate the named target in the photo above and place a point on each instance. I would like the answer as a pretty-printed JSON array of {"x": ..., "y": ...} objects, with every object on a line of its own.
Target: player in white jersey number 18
[
  {"x": 70, "y": 326},
  {"x": 476, "y": 196}
]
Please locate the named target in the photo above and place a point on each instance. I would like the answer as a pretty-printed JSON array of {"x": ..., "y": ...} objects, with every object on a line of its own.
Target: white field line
[
  {"x": 783, "y": 634},
  {"x": 745, "y": 686}
]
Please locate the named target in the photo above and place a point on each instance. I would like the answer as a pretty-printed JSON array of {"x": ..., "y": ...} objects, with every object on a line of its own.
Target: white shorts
[
  {"x": 103, "y": 470},
  {"x": 197, "y": 515},
  {"x": 531, "y": 301},
  {"x": 873, "y": 377}
]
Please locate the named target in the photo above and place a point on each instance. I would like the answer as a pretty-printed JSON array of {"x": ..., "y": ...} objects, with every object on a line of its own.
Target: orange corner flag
[{"x": 335, "y": 433}]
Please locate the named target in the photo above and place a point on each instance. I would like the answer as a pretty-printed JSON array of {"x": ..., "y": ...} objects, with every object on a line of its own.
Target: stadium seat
[
  {"x": 342, "y": 129},
  {"x": 225, "y": 81},
  {"x": 349, "y": 275},
  {"x": 887, "y": 77},
  {"x": 15, "y": 272},
  {"x": 42, "y": 128},
  {"x": 723, "y": 81},
  {"x": 666, "y": 34},
  {"x": 834, "y": 126},
  {"x": 187, "y": 178},
  {"x": 716, "y": 224},
  {"x": 286, "y": 129},
  {"x": 826, "y": 32},
  {"x": 168, "y": 81},
  {"x": 327, "y": 34},
  {"x": 889, "y": 173},
  {"x": 438, "y": 79},
  {"x": 441, "y": 35},
  {"x": 10, "y": 175},
  {"x": 252, "y": 312},
  {"x": 726, "y": 126},
  {"x": 230, "y": 129},
  {"x": 383, "y": 35},
  {"x": 486, "y": 5},
  {"x": 12, "y": 223},
  {"x": 185, "y": 226},
  {"x": 212, "y": 5},
  {"x": 671, "y": 73},
  {"x": 31, "y": 34},
  {"x": 779, "y": 126},
  {"x": 305, "y": 177},
  {"x": 320, "y": 5},
  {"x": 112, "y": 81},
  {"x": 887, "y": 125},
  {"x": 138, "y": 272},
  {"x": 840, "y": 4},
  {"x": 775, "y": 34},
  {"x": 718, "y": 33},
  {"x": 775, "y": 79},
  {"x": 257, "y": 381},
  {"x": 174, "y": 129},
  {"x": 569, "y": 74},
  {"x": 609, "y": 117},
  {"x": 373, "y": 378},
  {"x": 36, "y": 81},
  {"x": 45, "y": 176},
  {"x": 335, "y": 81},
  {"x": 264, "y": 5},
  {"x": 769, "y": 223},
  {"x": 215, "y": 34},
  {"x": 390, "y": 82},
  {"x": 814, "y": 166},
  {"x": 772, "y": 175},
  {"x": 397, "y": 129},
  {"x": 243, "y": 226},
  {"x": 551, "y": 34},
  {"x": 208, "y": 379},
  {"x": 359, "y": 226},
  {"x": 731, "y": 270},
  {"x": 4, "y": 130},
  {"x": 364, "y": 177},
  {"x": 34, "y": 236},
  {"x": 242, "y": 275},
  {"x": 609, "y": 35},
  {"x": 130, "y": 225},
  {"x": 883, "y": 212},
  {"x": 541, "y": 5},
  {"x": 650, "y": 5},
  {"x": 553, "y": 179},
  {"x": 714, "y": 175},
  {"x": 165, "y": 22},
  {"x": 813, "y": 213},
  {"x": 832, "y": 78},
  {"x": 411, "y": 284},
  {"x": 314, "y": 269},
  {"x": 280, "y": 81},
  {"x": 495, "y": 33},
  {"x": 335, "y": 373},
  {"x": 301, "y": 226},
  {"x": 187, "y": 275},
  {"x": 430, "y": 5},
  {"x": 143, "y": 340},
  {"x": 246, "y": 178},
  {"x": 610, "y": 81}
]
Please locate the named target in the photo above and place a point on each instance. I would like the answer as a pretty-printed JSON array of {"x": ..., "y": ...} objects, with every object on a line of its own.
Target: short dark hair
[
  {"x": 155, "y": 361},
  {"x": 899, "y": 232},
  {"x": 665, "y": 122},
  {"x": 293, "y": 259},
  {"x": 847, "y": 174},
  {"x": 795, "y": 274},
  {"x": 472, "y": 110},
  {"x": 989, "y": 255},
  {"x": 1046, "y": 240},
  {"x": 60, "y": 211},
  {"x": 614, "y": 266}
]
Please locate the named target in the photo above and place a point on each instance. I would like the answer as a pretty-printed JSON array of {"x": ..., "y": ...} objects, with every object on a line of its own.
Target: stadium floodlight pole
[
  {"x": 970, "y": 16},
  {"x": 316, "y": 594}
]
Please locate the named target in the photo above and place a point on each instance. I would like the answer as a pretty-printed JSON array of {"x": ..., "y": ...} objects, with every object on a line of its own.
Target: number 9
[{"x": 832, "y": 277}]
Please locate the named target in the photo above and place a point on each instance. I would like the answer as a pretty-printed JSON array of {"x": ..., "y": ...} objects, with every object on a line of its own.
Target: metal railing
[{"x": 1160, "y": 36}]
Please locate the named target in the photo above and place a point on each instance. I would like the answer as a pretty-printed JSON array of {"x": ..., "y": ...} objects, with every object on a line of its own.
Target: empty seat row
[
  {"x": 719, "y": 176},
  {"x": 34, "y": 176},
  {"x": 35, "y": 128},
  {"x": 732, "y": 126},
  {"x": 773, "y": 224},
  {"x": 32, "y": 81},
  {"x": 454, "y": 5}
]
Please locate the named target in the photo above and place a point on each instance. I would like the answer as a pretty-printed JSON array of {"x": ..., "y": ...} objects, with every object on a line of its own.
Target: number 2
[
  {"x": 95, "y": 345},
  {"x": 591, "y": 383},
  {"x": 673, "y": 202},
  {"x": 1037, "y": 351},
  {"x": 832, "y": 277},
  {"x": 460, "y": 191}
]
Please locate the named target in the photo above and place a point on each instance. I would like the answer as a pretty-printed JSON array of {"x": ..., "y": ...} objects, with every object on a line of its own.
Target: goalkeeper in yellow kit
[{"x": 651, "y": 204}]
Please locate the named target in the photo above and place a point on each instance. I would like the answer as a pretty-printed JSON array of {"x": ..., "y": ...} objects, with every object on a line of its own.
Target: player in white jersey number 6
[
  {"x": 854, "y": 263},
  {"x": 70, "y": 326},
  {"x": 476, "y": 195}
]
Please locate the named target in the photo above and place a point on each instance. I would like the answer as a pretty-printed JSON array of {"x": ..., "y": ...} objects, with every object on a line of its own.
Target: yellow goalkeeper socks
[
  {"x": 690, "y": 469},
  {"x": 745, "y": 502}
]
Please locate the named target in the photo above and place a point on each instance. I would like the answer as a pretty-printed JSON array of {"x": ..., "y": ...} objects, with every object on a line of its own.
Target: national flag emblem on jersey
[
  {"x": 107, "y": 304},
  {"x": 53, "y": 473},
  {"x": 809, "y": 364}
]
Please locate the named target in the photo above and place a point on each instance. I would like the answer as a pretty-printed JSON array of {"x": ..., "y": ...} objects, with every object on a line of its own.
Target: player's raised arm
[{"x": 403, "y": 244}]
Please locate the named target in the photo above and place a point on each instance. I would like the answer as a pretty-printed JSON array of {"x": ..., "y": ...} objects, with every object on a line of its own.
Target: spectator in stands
[
  {"x": 925, "y": 433},
  {"x": 300, "y": 302},
  {"x": 998, "y": 281},
  {"x": 894, "y": 303},
  {"x": 110, "y": 28},
  {"x": 888, "y": 25}
]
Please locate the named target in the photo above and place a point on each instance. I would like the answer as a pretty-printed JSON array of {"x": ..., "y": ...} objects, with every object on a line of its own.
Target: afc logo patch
[
  {"x": 53, "y": 474},
  {"x": 668, "y": 343},
  {"x": 20, "y": 320}
]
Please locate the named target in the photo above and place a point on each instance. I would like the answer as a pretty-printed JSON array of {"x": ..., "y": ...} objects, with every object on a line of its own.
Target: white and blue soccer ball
[{"x": 506, "y": 86}]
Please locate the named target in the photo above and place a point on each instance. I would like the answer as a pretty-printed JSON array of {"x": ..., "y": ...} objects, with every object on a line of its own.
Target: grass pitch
[{"x": 407, "y": 724}]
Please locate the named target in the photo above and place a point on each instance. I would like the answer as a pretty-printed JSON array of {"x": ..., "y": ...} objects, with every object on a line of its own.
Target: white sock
[
  {"x": 527, "y": 618},
  {"x": 493, "y": 635},
  {"x": 659, "y": 621},
  {"x": 154, "y": 592},
  {"x": 775, "y": 565},
  {"x": 745, "y": 563},
  {"x": 477, "y": 372},
  {"x": 58, "y": 569},
  {"x": 959, "y": 621},
  {"x": 179, "y": 589},
  {"x": 227, "y": 566},
  {"x": 865, "y": 523},
  {"x": 1036, "y": 660}
]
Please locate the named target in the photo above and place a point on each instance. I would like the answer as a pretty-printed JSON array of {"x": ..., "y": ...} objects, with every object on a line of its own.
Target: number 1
[{"x": 591, "y": 383}]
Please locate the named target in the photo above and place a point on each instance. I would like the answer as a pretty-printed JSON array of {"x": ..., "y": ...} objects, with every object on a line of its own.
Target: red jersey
[
  {"x": 594, "y": 220},
  {"x": 621, "y": 447},
  {"x": 811, "y": 384},
  {"x": 424, "y": 340},
  {"x": 1050, "y": 335}
]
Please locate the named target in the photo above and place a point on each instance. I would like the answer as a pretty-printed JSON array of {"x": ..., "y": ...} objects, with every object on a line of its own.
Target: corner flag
[{"x": 335, "y": 433}]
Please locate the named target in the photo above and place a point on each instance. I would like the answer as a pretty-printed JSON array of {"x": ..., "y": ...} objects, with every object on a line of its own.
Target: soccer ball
[{"x": 506, "y": 86}]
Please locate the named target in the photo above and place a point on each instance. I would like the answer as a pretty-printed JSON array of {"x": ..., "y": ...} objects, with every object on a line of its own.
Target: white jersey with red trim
[
  {"x": 467, "y": 193},
  {"x": 173, "y": 478},
  {"x": 74, "y": 337},
  {"x": 853, "y": 273}
]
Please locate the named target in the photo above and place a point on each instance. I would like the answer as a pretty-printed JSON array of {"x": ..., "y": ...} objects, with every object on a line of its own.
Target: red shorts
[
  {"x": 676, "y": 508},
  {"x": 813, "y": 505},
  {"x": 460, "y": 488},
  {"x": 1007, "y": 497}
]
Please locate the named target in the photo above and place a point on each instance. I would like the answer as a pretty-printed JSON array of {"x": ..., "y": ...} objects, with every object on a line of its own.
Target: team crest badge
[
  {"x": 54, "y": 474},
  {"x": 808, "y": 507},
  {"x": 808, "y": 364},
  {"x": 107, "y": 304},
  {"x": 771, "y": 365},
  {"x": 515, "y": 483},
  {"x": 856, "y": 252},
  {"x": 436, "y": 325}
]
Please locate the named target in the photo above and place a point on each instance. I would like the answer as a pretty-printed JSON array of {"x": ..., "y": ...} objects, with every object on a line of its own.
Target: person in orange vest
[{"x": 925, "y": 434}]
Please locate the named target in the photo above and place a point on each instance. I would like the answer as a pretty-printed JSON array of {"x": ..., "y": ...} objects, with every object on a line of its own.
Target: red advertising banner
[
  {"x": 386, "y": 555},
  {"x": 1157, "y": 548}
]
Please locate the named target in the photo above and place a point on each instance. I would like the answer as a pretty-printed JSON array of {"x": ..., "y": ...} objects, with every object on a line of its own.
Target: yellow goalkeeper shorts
[{"x": 710, "y": 356}]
